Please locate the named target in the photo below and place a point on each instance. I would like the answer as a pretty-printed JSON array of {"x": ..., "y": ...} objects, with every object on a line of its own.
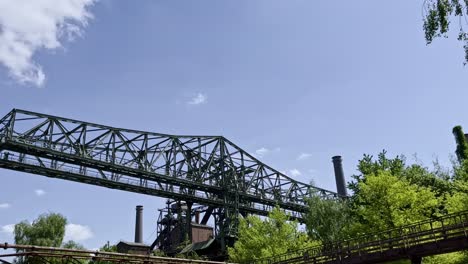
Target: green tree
[
  {"x": 327, "y": 219},
  {"x": 48, "y": 230},
  {"x": 272, "y": 236},
  {"x": 368, "y": 166},
  {"x": 389, "y": 193},
  {"x": 438, "y": 181},
  {"x": 438, "y": 15},
  {"x": 458, "y": 199},
  {"x": 450, "y": 258},
  {"x": 386, "y": 201}
]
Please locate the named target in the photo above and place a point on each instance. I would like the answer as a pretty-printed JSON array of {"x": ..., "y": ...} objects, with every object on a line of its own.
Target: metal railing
[
  {"x": 400, "y": 239},
  {"x": 47, "y": 255}
]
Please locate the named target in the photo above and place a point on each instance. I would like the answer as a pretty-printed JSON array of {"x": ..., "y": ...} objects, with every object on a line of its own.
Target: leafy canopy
[
  {"x": 327, "y": 219},
  {"x": 48, "y": 230},
  {"x": 272, "y": 236},
  {"x": 386, "y": 202}
]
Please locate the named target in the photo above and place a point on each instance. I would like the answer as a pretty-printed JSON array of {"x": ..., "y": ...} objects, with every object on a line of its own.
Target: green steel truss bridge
[{"x": 206, "y": 170}]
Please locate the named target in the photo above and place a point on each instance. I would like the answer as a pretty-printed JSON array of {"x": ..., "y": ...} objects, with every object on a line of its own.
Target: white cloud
[
  {"x": 304, "y": 156},
  {"x": 5, "y": 205},
  {"x": 39, "y": 192},
  {"x": 295, "y": 172},
  {"x": 262, "y": 151},
  {"x": 27, "y": 26},
  {"x": 77, "y": 232},
  {"x": 198, "y": 99},
  {"x": 8, "y": 229}
]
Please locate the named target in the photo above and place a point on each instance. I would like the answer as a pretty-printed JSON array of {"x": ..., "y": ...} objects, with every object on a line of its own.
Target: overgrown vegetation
[
  {"x": 272, "y": 236},
  {"x": 48, "y": 230},
  {"x": 386, "y": 193}
]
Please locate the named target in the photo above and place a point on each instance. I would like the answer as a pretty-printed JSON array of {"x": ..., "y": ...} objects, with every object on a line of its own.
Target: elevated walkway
[{"x": 427, "y": 238}]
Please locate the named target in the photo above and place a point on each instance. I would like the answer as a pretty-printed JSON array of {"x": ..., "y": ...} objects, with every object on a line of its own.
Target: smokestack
[
  {"x": 139, "y": 224},
  {"x": 339, "y": 176}
]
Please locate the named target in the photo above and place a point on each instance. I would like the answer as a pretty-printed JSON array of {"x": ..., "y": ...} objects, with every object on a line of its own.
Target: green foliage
[
  {"x": 388, "y": 193},
  {"x": 438, "y": 14},
  {"x": 47, "y": 230},
  {"x": 437, "y": 181},
  {"x": 462, "y": 145},
  {"x": 73, "y": 245},
  {"x": 386, "y": 201},
  {"x": 108, "y": 247},
  {"x": 458, "y": 199},
  {"x": 450, "y": 258},
  {"x": 367, "y": 166},
  {"x": 327, "y": 219},
  {"x": 265, "y": 238}
]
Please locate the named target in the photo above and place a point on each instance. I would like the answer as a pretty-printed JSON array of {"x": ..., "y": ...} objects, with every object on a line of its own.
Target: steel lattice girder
[{"x": 208, "y": 170}]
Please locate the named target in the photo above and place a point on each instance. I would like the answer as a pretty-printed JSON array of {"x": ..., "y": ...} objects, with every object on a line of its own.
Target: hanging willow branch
[{"x": 437, "y": 16}]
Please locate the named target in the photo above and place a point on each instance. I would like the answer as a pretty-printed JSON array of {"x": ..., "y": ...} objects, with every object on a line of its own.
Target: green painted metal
[{"x": 208, "y": 170}]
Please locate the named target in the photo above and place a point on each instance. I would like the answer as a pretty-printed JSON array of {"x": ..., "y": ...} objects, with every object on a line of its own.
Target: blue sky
[{"x": 278, "y": 78}]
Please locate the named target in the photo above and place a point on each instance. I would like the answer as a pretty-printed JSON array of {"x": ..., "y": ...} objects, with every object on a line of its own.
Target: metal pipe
[
  {"x": 139, "y": 224},
  {"x": 339, "y": 176},
  {"x": 90, "y": 254}
]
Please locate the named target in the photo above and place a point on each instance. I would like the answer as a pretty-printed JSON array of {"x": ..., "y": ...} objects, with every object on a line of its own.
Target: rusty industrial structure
[
  {"x": 49, "y": 255},
  {"x": 177, "y": 233}
]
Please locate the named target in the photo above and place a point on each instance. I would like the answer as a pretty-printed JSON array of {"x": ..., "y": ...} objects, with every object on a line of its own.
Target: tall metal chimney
[
  {"x": 139, "y": 224},
  {"x": 339, "y": 176}
]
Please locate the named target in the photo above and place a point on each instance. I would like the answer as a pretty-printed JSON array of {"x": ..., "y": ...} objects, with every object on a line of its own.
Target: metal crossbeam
[{"x": 209, "y": 170}]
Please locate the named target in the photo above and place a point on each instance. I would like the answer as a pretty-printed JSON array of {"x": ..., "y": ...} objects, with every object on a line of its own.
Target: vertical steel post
[{"x": 188, "y": 219}]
